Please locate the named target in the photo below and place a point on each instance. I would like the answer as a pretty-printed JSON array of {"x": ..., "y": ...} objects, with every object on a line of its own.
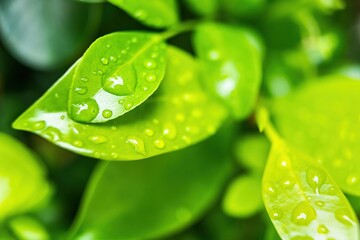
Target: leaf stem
[
  {"x": 178, "y": 29},
  {"x": 264, "y": 124}
]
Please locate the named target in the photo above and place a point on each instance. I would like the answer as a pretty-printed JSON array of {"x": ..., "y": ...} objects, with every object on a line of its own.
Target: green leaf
[
  {"x": 46, "y": 33},
  {"x": 158, "y": 13},
  {"x": 152, "y": 198},
  {"x": 302, "y": 199},
  {"x": 23, "y": 186},
  {"x": 177, "y": 115},
  {"x": 243, "y": 8},
  {"x": 116, "y": 74},
  {"x": 243, "y": 197},
  {"x": 231, "y": 65},
  {"x": 321, "y": 119},
  {"x": 25, "y": 228},
  {"x": 203, "y": 7},
  {"x": 252, "y": 151}
]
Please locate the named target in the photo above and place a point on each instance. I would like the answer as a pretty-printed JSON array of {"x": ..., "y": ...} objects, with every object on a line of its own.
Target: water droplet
[
  {"x": 113, "y": 128},
  {"x": 269, "y": 189},
  {"x": 57, "y": 95},
  {"x": 104, "y": 61},
  {"x": 186, "y": 139},
  {"x": 319, "y": 203},
  {"x": 352, "y": 179},
  {"x": 100, "y": 72},
  {"x": 107, "y": 113},
  {"x": 284, "y": 163},
  {"x": 128, "y": 106},
  {"x": 134, "y": 39},
  {"x": 137, "y": 144},
  {"x": 154, "y": 55},
  {"x": 78, "y": 143},
  {"x": 303, "y": 214},
  {"x": 84, "y": 111},
  {"x": 38, "y": 125},
  {"x": 150, "y": 64},
  {"x": 108, "y": 45},
  {"x": 97, "y": 154},
  {"x": 192, "y": 129},
  {"x": 114, "y": 155},
  {"x": 84, "y": 79},
  {"x": 169, "y": 130},
  {"x": 95, "y": 73},
  {"x": 315, "y": 178},
  {"x": 140, "y": 14},
  {"x": 322, "y": 229},
  {"x": 121, "y": 85},
  {"x": 159, "y": 143},
  {"x": 343, "y": 215},
  {"x": 81, "y": 90},
  {"x": 52, "y": 133},
  {"x": 98, "y": 139},
  {"x": 150, "y": 78},
  {"x": 149, "y": 132},
  {"x": 287, "y": 183},
  {"x": 275, "y": 215},
  {"x": 213, "y": 55},
  {"x": 62, "y": 117},
  {"x": 113, "y": 59}
]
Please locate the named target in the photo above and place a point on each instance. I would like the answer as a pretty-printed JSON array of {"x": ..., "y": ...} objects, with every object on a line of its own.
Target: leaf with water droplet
[
  {"x": 115, "y": 87},
  {"x": 243, "y": 197},
  {"x": 177, "y": 115},
  {"x": 320, "y": 118},
  {"x": 157, "y": 14},
  {"x": 302, "y": 199},
  {"x": 144, "y": 207},
  {"x": 231, "y": 65},
  {"x": 23, "y": 186}
]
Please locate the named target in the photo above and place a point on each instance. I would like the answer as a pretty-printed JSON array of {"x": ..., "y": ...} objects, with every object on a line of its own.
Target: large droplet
[
  {"x": 315, "y": 178},
  {"x": 39, "y": 125},
  {"x": 137, "y": 144},
  {"x": 104, "y": 61},
  {"x": 322, "y": 229},
  {"x": 150, "y": 64},
  {"x": 84, "y": 111},
  {"x": 123, "y": 82},
  {"x": 303, "y": 214},
  {"x": 107, "y": 113},
  {"x": 169, "y": 130},
  {"x": 149, "y": 132},
  {"x": 159, "y": 143},
  {"x": 275, "y": 215},
  {"x": 52, "y": 133},
  {"x": 81, "y": 90},
  {"x": 344, "y": 215}
]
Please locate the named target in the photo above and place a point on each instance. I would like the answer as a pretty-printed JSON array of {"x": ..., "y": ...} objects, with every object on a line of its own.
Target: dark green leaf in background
[
  {"x": 152, "y": 198},
  {"x": 177, "y": 115},
  {"x": 116, "y": 74},
  {"x": 154, "y": 13},
  {"x": 322, "y": 119},
  {"x": 203, "y": 7},
  {"x": 231, "y": 65},
  {"x": 46, "y": 33}
]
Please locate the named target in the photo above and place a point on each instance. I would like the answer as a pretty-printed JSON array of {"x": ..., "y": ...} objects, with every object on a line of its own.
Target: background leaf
[
  {"x": 231, "y": 65},
  {"x": 46, "y": 33},
  {"x": 177, "y": 115},
  {"x": 158, "y": 13},
  {"x": 203, "y": 7},
  {"x": 152, "y": 198},
  {"x": 321, "y": 119},
  {"x": 116, "y": 74},
  {"x": 23, "y": 186},
  {"x": 302, "y": 200}
]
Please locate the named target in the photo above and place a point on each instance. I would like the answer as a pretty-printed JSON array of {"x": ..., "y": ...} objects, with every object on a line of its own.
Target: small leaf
[
  {"x": 22, "y": 182},
  {"x": 231, "y": 65},
  {"x": 243, "y": 197},
  {"x": 302, "y": 200},
  {"x": 203, "y": 7},
  {"x": 25, "y": 227},
  {"x": 177, "y": 115},
  {"x": 154, "y": 198},
  {"x": 158, "y": 13},
  {"x": 46, "y": 33},
  {"x": 321, "y": 119},
  {"x": 117, "y": 73}
]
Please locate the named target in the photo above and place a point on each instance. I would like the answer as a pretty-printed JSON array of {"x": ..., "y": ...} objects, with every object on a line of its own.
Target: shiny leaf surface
[
  {"x": 321, "y": 119},
  {"x": 23, "y": 186},
  {"x": 157, "y": 13},
  {"x": 152, "y": 198},
  {"x": 302, "y": 200},
  {"x": 177, "y": 115},
  {"x": 116, "y": 74},
  {"x": 243, "y": 197},
  {"x": 231, "y": 65},
  {"x": 46, "y": 33}
]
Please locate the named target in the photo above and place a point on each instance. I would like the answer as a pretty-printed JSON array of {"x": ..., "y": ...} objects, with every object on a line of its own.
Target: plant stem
[{"x": 263, "y": 120}]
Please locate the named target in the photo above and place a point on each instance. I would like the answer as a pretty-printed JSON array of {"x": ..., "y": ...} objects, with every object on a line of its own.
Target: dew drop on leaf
[
  {"x": 39, "y": 125},
  {"x": 303, "y": 214},
  {"x": 107, "y": 113},
  {"x": 149, "y": 132},
  {"x": 52, "y": 133},
  {"x": 315, "y": 179},
  {"x": 137, "y": 144},
  {"x": 78, "y": 143},
  {"x": 104, "y": 61},
  {"x": 81, "y": 90},
  {"x": 84, "y": 111},
  {"x": 169, "y": 130},
  {"x": 159, "y": 143},
  {"x": 150, "y": 64},
  {"x": 343, "y": 215},
  {"x": 322, "y": 229},
  {"x": 97, "y": 139},
  {"x": 150, "y": 78}
]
